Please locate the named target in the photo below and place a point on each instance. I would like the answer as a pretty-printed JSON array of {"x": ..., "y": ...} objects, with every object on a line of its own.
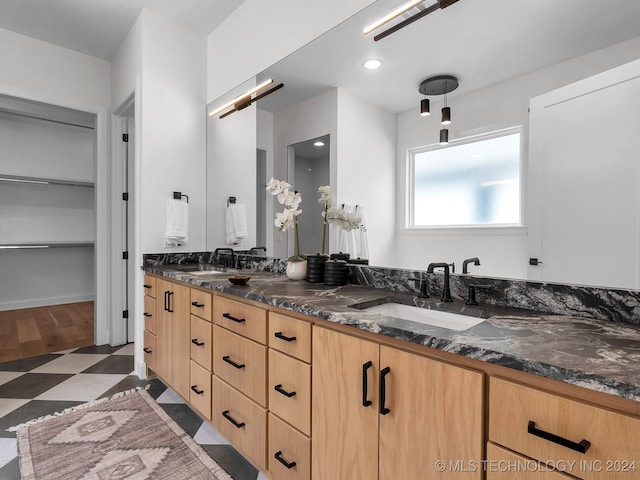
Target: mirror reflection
[{"x": 504, "y": 54}]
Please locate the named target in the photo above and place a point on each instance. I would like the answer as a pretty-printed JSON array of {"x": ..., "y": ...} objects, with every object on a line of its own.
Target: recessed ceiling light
[
  {"x": 372, "y": 64},
  {"x": 318, "y": 144}
]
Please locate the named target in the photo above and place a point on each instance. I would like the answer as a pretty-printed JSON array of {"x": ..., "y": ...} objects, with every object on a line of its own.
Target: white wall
[
  {"x": 366, "y": 170},
  {"x": 259, "y": 33},
  {"x": 265, "y": 139},
  {"x": 492, "y": 108}
]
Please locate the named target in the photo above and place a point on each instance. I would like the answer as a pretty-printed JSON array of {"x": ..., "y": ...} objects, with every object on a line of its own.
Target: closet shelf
[
  {"x": 34, "y": 245},
  {"x": 45, "y": 181}
]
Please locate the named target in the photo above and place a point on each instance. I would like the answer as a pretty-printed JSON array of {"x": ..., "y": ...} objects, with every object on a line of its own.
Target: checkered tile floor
[{"x": 37, "y": 386}]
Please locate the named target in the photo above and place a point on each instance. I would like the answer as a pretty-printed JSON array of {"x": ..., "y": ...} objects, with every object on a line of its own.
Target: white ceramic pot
[{"x": 297, "y": 270}]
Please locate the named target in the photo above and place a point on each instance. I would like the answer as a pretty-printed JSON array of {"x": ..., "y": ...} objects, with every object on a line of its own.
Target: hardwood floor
[{"x": 34, "y": 331}]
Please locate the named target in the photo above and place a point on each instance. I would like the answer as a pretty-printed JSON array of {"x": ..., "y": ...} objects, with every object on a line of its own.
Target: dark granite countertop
[{"x": 595, "y": 354}]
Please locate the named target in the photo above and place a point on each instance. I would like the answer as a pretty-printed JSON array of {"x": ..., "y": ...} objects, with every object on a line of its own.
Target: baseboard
[{"x": 45, "y": 302}]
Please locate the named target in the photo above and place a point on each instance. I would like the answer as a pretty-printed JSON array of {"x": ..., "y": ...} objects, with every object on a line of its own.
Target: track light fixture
[
  {"x": 439, "y": 85},
  {"x": 243, "y": 101}
]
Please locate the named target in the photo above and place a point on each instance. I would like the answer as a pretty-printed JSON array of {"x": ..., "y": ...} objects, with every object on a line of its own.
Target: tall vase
[{"x": 297, "y": 270}]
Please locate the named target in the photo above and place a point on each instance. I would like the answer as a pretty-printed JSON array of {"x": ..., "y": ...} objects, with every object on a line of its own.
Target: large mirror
[{"x": 504, "y": 53}]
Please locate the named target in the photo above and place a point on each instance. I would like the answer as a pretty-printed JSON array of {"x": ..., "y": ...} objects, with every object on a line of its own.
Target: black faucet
[
  {"x": 473, "y": 260},
  {"x": 424, "y": 286},
  {"x": 226, "y": 263},
  {"x": 446, "y": 291},
  {"x": 471, "y": 297}
]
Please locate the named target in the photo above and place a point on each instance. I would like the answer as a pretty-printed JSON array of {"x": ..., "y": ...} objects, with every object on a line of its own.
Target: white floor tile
[
  {"x": 261, "y": 476},
  {"x": 8, "y": 450},
  {"x": 207, "y": 435},
  {"x": 8, "y": 376},
  {"x": 66, "y": 351},
  {"x": 8, "y": 405},
  {"x": 75, "y": 363},
  {"x": 126, "y": 350},
  {"x": 169, "y": 396},
  {"x": 82, "y": 387}
]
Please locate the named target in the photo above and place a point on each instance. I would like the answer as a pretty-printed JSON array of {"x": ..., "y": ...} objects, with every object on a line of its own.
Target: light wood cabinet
[
  {"x": 201, "y": 342},
  {"x": 200, "y": 389},
  {"x": 395, "y": 413},
  {"x": 173, "y": 337},
  {"x": 551, "y": 428},
  {"x": 149, "y": 314},
  {"x": 201, "y": 304},
  {"x": 289, "y": 452},
  {"x": 149, "y": 349},
  {"x": 149, "y": 286},
  {"x": 290, "y": 335},
  {"x": 243, "y": 319},
  {"x": 503, "y": 464}
]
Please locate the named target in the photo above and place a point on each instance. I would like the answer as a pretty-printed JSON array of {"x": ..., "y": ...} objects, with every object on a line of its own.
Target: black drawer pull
[
  {"x": 278, "y": 388},
  {"x": 383, "y": 390},
  {"x": 169, "y": 306},
  {"x": 227, "y": 359},
  {"x": 197, "y": 305},
  {"x": 278, "y": 456},
  {"x": 581, "y": 447},
  {"x": 146, "y": 350},
  {"x": 232, "y": 318},
  {"x": 147, "y": 314},
  {"x": 166, "y": 300},
  {"x": 146, "y": 286},
  {"x": 196, "y": 342},
  {"x": 365, "y": 383},
  {"x": 226, "y": 415},
  {"x": 195, "y": 389},
  {"x": 282, "y": 337}
]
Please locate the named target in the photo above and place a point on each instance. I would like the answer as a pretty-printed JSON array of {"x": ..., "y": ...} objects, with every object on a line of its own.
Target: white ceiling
[{"x": 98, "y": 27}]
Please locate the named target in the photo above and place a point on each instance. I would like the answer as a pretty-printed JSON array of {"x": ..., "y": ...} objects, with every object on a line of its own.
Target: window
[{"x": 471, "y": 183}]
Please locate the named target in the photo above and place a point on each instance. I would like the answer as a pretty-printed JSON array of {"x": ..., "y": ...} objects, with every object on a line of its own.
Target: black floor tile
[
  {"x": 156, "y": 387},
  {"x": 112, "y": 364},
  {"x": 232, "y": 462},
  {"x": 30, "y": 385},
  {"x": 29, "y": 411},
  {"x": 27, "y": 364},
  {"x": 108, "y": 349},
  {"x": 188, "y": 420},
  {"x": 11, "y": 471}
]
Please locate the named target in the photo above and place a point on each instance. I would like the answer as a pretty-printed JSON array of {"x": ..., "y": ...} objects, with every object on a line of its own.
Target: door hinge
[
  {"x": 125, "y": 137},
  {"x": 125, "y": 196},
  {"x": 125, "y": 255},
  {"x": 125, "y": 314}
]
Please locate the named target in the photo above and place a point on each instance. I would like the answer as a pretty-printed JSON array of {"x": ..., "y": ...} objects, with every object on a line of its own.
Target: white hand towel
[
  {"x": 236, "y": 223},
  {"x": 177, "y": 223}
]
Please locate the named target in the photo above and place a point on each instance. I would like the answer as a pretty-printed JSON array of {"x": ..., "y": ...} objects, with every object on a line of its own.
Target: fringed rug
[{"x": 128, "y": 436}]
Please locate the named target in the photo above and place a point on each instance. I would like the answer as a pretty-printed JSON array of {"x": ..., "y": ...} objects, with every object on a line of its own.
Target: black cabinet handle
[
  {"x": 169, "y": 307},
  {"x": 147, "y": 314},
  {"x": 166, "y": 301},
  {"x": 197, "y": 305},
  {"x": 195, "y": 389},
  {"x": 146, "y": 350},
  {"x": 196, "y": 342},
  {"x": 383, "y": 390},
  {"x": 278, "y": 388},
  {"x": 226, "y": 415},
  {"x": 278, "y": 456},
  {"x": 282, "y": 337},
  {"x": 365, "y": 383},
  {"x": 227, "y": 359},
  {"x": 232, "y": 318},
  {"x": 146, "y": 286},
  {"x": 581, "y": 447}
]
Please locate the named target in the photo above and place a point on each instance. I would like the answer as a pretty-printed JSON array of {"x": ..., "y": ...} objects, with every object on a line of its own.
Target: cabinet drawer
[
  {"x": 201, "y": 341},
  {"x": 241, "y": 363},
  {"x": 149, "y": 349},
  {"x": 149, "y": 286},
  {"x": 201, "y": 304},
  {"x": 505, "y": 465},
  {"x": 290, "y": 390},
  {"x": 289, "y": 453},
  {"x": 150, "y": 321},
  {"x": 520, "y": 416},
  {"x": 290, "y": 335},
  {"x": 241, "y": 421},
  {"x": 241, "y": 318},
  {"x": 200, "y": 390}
]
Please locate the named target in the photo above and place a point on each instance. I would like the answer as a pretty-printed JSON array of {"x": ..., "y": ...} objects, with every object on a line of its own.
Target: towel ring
[
  {"x": 231, "y": 200},
  {"x": 179, "y": 195}
]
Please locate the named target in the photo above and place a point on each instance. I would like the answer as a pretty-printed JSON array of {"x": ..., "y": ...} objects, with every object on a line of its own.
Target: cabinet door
[
  {"x": 163, "y": 332},
  {"x": 344, "y": 431},
  {"x": 434, "y": 413},
  {"x": 503, "y": 464}
]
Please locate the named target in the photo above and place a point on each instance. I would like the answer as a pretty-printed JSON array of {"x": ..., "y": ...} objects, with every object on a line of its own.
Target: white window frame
[{"x": 496, "y": 229}]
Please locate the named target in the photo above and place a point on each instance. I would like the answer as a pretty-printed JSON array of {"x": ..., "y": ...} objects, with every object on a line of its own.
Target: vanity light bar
[
  {"x": 396, "y": 13},
  {"x": 249, "y": 101},
  {"x": 231, "y": 103}
]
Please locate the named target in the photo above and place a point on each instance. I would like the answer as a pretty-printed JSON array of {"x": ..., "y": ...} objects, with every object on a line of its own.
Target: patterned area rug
[{"x": 128, "y": 436}]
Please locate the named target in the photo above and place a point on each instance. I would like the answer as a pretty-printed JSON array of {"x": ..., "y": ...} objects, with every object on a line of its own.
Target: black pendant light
[
  {"x": 439, "y": 85},
  {"x": 444, "y": 136},
  {"x": 424, "y": 107}
]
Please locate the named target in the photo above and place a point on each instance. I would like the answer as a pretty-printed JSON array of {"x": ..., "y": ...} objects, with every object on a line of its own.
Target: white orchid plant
[
  {"x": 332, "y": 214},
  {"x": 288, "y": 218}
]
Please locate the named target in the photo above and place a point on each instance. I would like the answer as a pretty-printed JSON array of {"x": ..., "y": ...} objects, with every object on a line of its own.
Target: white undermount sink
[
  {"x": 206, "y": 272},
  {"x": 436, "y": 318}
]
